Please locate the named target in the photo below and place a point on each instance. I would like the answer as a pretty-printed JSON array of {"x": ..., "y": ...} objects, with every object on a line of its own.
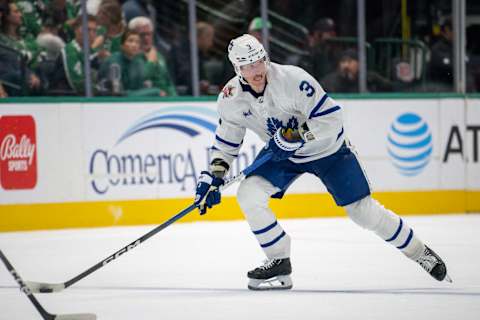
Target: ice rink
[{"x": 198, "y": 271}]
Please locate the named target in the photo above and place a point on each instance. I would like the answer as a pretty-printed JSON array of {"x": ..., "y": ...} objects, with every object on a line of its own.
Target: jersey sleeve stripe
[
  {"x": 318, "y": 106},
  {"x": 228, "y": 154},
  {"x": 339, "y": 134},
  {"x": 228, "y": 143},
  {"x": 324, "y": 113}
]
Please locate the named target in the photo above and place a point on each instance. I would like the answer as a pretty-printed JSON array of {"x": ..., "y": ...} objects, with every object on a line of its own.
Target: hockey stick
[
  {"x": 44, "y": 287},
  {"x": 45, "y": 315}
]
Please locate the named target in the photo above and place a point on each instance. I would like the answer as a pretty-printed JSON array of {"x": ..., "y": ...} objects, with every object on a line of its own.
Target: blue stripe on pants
[
  {"x": 395, "y": 235},
  {"x": 266, "y": 228},
  {"x": 268, "y": 244},
  {"x": 409, "y": 238}
]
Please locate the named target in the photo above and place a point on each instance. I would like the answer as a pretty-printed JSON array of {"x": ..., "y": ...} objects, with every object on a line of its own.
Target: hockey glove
[
  {"x": 281, "y": 147},
  {"x": 207, "y": 193}
]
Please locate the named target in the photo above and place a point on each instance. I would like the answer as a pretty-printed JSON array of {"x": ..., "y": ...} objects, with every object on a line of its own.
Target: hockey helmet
[{"x": 244, "y": 50}]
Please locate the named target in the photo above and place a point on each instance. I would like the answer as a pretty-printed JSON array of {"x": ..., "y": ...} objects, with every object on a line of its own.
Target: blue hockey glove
[
  {"x": 207, "y": 193},
  {"x": 281, "y": 147}
]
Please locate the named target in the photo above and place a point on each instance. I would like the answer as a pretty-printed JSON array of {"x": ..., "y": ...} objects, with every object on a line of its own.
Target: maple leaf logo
[
  {"x": 273, "y": 124},
  {"x": 292, "y": 123}
]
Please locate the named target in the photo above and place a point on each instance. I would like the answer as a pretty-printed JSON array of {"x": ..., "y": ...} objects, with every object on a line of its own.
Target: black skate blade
[{"x": 448, "y": 279}]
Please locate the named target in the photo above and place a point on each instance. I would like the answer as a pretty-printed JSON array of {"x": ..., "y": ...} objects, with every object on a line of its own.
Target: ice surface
[{"x": 198, "y": 271}]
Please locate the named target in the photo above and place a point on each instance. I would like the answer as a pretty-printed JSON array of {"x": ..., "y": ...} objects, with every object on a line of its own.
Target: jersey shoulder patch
[{"x": 228, "y": 91}]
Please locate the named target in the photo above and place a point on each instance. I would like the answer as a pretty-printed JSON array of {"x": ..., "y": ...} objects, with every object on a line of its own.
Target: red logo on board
[{"x": 18, "y": 152}]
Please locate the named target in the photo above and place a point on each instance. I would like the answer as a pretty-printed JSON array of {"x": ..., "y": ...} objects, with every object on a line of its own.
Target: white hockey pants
[
  {"x": 371, "y": 215},
  {"x": 253, "y": 196}
]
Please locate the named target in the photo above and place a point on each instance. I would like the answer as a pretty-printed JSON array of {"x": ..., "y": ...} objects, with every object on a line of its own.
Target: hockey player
[{"x": 303, "y": 130}]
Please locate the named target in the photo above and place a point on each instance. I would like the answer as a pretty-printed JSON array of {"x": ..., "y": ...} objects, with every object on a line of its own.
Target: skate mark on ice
[{"x": 393, "y": 291}]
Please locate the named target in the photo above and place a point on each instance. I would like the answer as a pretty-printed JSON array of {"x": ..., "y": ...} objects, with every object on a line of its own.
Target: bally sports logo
[{"x": 18, "y": 154}]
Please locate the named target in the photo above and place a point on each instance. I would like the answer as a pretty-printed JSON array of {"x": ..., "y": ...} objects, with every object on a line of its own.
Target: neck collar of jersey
[{"x": 248, "y": 88}]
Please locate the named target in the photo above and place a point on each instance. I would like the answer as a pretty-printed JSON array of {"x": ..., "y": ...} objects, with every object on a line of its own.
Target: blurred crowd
[
  {"x": 42, "y": 53},
  {"x": 42, "y": 50}
]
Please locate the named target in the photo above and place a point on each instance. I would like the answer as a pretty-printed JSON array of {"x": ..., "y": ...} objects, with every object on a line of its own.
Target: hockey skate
[
  {"x": 274, "y": 274},
  {"x": 434, "y": 265}
]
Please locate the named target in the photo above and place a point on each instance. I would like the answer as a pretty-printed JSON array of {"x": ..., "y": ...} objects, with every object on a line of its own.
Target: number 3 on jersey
[{"x": 307, "y": 87}]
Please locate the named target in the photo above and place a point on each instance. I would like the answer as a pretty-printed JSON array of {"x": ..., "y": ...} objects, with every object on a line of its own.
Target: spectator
[
  {"x": 60, "y": 17},
  {"x": 57, "y": 30},
  {"x": 51, "y": 43},
  {"x": 139, "y": 8},
  {"x": 182, "y": 66},
  {"x": 124, "y": 71},
  {"x": 112, "y": 26},
  {"x": 3, "y": 93},
  {"x": 210, "y": 83},
  {"x": 441, "y": 61},
  {"x": 10, "y": 34},
  {"x": 31, "y": 17},
  {"x": 345, "y": 78},
  {"x": 12, "y": 69},
  {"x": 146, "y": 8},
  {"x": 155, "y": 62},
  {"x": 255, "y": 28},
  {"x": 69, "y": 75},
  {"x": 324, "y": 55},
  {"x": 323, "y": 30},
  {"x": 92, "y": 6}
]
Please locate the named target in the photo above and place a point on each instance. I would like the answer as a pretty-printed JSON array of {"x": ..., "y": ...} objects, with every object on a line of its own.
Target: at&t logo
[{"x": 409, "y": 144}]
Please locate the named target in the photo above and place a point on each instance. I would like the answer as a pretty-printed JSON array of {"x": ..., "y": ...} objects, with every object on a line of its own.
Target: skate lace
[
  {"x": 427, "y": 261},
  {"x": 267, "y": 264}
]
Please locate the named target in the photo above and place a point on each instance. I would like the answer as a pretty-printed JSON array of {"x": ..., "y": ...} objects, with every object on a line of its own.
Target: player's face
[{"x": 255, "y": 73}]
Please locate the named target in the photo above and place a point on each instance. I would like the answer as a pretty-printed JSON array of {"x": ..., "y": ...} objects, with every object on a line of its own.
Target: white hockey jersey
[{"x": 291, "y": 97}]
